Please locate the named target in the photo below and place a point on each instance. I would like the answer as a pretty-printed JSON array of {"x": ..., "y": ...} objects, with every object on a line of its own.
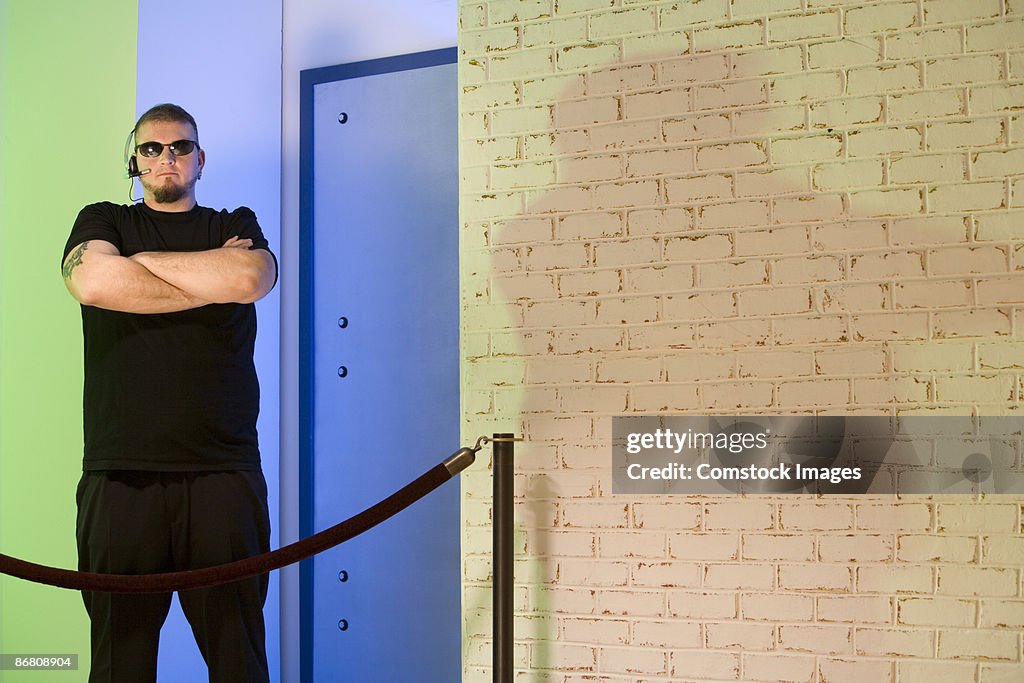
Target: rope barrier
[{"x": 251, "y": 566}]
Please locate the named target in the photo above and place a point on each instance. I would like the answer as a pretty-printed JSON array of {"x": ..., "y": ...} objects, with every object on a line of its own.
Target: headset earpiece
[{"x": 131, "y": 162}]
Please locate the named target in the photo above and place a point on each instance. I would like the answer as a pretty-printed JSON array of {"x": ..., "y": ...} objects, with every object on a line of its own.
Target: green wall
[{"x": 67, "y": 101}]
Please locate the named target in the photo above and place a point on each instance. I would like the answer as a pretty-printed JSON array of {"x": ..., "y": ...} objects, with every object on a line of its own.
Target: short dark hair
[{"x": 167, "y": 112}]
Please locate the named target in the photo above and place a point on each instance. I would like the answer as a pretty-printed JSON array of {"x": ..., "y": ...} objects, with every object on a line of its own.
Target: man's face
[{"x": 171, "y": 178}]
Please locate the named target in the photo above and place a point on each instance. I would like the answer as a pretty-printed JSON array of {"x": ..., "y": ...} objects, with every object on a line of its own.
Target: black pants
[{"x": 132, "y": 522}]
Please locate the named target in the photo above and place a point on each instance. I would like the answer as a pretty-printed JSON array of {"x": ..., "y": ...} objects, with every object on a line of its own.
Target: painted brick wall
[{"x": 726, "y": 206}]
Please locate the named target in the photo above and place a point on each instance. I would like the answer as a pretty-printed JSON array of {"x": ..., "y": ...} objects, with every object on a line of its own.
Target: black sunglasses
[{"x": 178, "y": 148}]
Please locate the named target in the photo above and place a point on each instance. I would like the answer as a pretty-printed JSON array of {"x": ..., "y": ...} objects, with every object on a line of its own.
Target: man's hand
[
  {"x": 237, "y": 243},
  {"x": 234, "y": 273}
]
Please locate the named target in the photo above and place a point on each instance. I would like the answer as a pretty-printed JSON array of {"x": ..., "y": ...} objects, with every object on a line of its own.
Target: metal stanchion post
[{"x": 503, "y": 540}]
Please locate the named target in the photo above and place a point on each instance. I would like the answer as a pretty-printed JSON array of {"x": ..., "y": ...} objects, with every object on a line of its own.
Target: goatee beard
[{"x": 168, "y": 194}]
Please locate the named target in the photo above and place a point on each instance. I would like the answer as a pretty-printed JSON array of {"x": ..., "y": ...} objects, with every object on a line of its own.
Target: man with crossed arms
[{"x": 171, "y": 468}]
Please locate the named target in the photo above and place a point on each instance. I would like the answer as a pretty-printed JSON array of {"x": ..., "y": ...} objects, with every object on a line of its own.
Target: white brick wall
[{"x": 726, "y": 205}]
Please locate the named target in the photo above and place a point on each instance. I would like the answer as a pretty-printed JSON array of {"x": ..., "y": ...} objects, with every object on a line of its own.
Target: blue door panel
[{"x": 385, "y": 380}]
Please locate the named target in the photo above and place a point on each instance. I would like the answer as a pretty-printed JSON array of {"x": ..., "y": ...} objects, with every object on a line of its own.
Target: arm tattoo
[{"x": 74, "y": 260}]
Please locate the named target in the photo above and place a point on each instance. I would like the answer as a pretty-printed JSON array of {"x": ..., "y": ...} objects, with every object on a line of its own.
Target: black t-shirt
[{"x": 169, "y": 391}]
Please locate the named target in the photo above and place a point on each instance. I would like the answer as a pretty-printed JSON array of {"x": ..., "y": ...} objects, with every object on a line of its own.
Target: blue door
[{"x": 381, "y": 365}]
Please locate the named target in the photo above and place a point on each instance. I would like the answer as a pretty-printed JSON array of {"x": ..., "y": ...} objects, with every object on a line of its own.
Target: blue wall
[
  {"x": 222, "y": 62},
  {"x": 236, "y": 68}
]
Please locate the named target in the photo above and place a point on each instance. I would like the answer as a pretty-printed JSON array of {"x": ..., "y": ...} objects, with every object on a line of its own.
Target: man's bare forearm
[
  {"x": 100, "y": 277},
  {"x": 230, "y": 274}
]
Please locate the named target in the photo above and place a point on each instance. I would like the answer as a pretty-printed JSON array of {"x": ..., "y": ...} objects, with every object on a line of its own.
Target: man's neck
[{"x": 180, "y": 206}]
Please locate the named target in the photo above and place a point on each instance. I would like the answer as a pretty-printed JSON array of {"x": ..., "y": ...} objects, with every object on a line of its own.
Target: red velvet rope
[{"x": 240, "y": 569}]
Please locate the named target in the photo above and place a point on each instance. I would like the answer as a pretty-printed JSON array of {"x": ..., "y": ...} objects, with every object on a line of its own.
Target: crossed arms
[{"x": 167, "y": 281}]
